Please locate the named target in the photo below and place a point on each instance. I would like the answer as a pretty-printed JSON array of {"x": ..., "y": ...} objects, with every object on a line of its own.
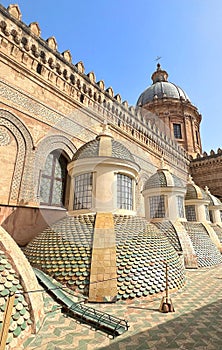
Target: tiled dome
[
  {"x": 206, "y": 251},
  {"x": 195, "y": 192},
  {"x": 218, "y": 230},
  {"x": 160, "y": 89},
  {"x": 168, "y": 229},
  {"x": 163, "y": 178},
  {"x": 213, "y": 200},
  {"x": 64, "y": 252},
  {"x": 10, "y": 283},
  {"x": 91, "y": 150}
]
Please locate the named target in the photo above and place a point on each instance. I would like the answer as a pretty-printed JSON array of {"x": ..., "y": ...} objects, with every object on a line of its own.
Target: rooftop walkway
[{"x": 196, "y": 323}]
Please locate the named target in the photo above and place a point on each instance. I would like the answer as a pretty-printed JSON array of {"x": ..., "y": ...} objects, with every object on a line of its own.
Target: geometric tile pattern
[
  {"x": 206, "y": 251},
  {"x": 163, "y": 178},
  {"x": 10, "y": 283},
  {"x": 195, "y": 324},
  {"x": 167, "y": 228},
  {"x": 64, "y": 252},
  {"x": 91, "y": 149},
  {"x": 218, "y": 230},
  {"x": 141, "y": 252}
]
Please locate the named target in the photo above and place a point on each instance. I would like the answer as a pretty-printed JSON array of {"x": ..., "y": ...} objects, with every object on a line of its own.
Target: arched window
[{"x": 53, "y": 180}]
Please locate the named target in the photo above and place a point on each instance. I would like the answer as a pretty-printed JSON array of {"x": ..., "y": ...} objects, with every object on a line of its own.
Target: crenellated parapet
[
  {"x": 40, "y": 58},
  {"x": 206, "y": 156},
  {"x": 206, "y": 170}
]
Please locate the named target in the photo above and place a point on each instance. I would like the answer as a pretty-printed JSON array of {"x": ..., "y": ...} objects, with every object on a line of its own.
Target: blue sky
[{"x": 120, "y": 39}]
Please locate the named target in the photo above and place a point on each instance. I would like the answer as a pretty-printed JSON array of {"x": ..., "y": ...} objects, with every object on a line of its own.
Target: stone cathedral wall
[{"x": 48, "y": 103}]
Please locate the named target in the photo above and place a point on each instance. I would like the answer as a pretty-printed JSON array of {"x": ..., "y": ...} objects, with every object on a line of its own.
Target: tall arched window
[{"x": 53, "y": 180}]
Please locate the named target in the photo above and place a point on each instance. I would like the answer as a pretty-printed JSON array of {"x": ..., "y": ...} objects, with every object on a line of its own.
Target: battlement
[
  {"x": 210, "y": 156},
  {"x": 22, "y": 44}
]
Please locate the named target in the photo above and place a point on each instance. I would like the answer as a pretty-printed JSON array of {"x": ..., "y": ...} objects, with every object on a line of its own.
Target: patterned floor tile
[{"x": 195, "y": 324}]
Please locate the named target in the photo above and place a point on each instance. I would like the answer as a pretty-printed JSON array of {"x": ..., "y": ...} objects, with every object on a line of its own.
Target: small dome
[
  {"x": 91, "y": 149},
  {"x": 161, "y": 88},
  {"x": 213, "y": 200},
  {"x": 194, "y": 191},
  {"x": 163, "y": 178}
]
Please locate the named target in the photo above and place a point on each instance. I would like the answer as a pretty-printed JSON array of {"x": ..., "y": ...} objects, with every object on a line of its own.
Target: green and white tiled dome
[
  {"x": 163, "y": 178},
  {"x": 64, "y": 252},
  {"x": 141, "y": 252},
  {"x": 91, "y": 150},
  {"x": 168, "y": 229},
  {"x": 206, "y": 251},
  {"x": 10, "y": 284}
]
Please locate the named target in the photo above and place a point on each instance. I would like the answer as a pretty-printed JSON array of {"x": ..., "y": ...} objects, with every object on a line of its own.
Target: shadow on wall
[{"x": 23, "y": 224}]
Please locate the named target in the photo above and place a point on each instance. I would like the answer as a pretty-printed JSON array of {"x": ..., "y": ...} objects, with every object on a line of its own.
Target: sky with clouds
[{"x": 120, "y": 39}]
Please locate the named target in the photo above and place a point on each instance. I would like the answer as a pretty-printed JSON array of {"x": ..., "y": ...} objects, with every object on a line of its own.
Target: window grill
[
  {"x": 124, "y": 192},
  {"x": 190, "y": 212},
  {"x": 53, "y": 180},
  {"x": 83, "y": 191},
  {"x": 157, "y": 207},
  {"x": 180, "y": 206},
  {"x": 177, "y": 131}
]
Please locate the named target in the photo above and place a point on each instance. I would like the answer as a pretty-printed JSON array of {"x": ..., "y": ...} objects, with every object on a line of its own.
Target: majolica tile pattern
[
  {"x": 141, "y": 252},
  {"x": 64, "y": 252},
  {"x": 195, "y": 192},
  {"x": 206, "y": 251},
  {"x": 91, "y": 150},
  {"x": 10, "y": 283},
  {"x": 218, "y": 231},
  {"x": 159, "y": 179},
  {"x": 167, "y": 228}
]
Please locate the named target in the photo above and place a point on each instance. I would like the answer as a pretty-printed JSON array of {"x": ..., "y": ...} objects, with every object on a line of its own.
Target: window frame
[
  {"x": 157, "y": 206},
  {"x": 180, "y": 207},
  {"x": 57, "y": 156},
  {"x": 190, "y": 210},
  {"x": 83, "y": 186},
  {"x": 124, "y": 191},
  {"x": 177, "y": 131}
]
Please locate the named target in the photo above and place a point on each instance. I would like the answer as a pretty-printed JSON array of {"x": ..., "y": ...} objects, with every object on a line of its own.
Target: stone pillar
[{"x": 103, "y": 275}]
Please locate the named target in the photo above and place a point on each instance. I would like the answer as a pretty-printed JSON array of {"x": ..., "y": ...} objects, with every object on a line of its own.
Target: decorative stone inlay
[
  {"x": 22, "y": 180},
  {"x": 43, "y": 113},
  {"x": 5, "y": 138}
]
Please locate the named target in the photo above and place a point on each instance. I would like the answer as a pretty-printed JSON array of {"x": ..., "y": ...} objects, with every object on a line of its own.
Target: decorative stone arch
[
  {"x": 21, "y": 187},
  {"x": 44, "y": 148}
]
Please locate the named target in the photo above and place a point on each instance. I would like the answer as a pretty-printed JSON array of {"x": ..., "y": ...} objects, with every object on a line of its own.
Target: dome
[
  {"x": 214, "y": 201},
  {"x": 10, "y": 283},
  {"x": 65, "y": 250},
  {"x": 194, "y": 191},
  {"x": 92, "y": 148},
  {"x": 163, "y": 178},
  {"x": 161, "y": 88}
]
